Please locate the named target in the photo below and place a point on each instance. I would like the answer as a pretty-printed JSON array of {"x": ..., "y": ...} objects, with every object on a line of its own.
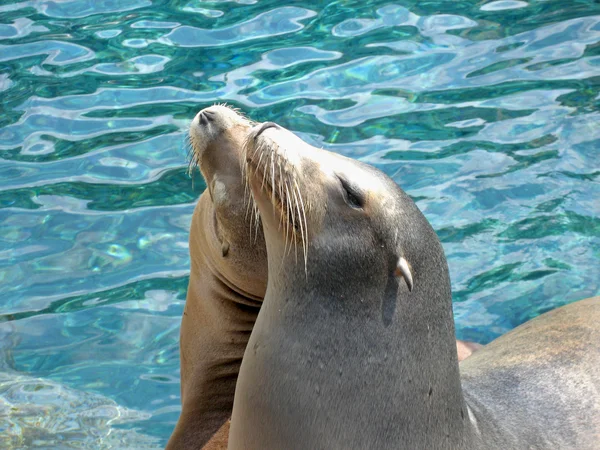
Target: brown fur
[{"x": 219, "y": 440}]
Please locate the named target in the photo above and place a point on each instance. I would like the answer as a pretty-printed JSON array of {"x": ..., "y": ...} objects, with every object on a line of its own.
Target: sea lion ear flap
[{"x": 403, "y": 270}]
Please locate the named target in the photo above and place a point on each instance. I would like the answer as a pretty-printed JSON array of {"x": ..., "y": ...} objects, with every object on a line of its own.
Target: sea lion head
[
  {"x": 322, "y": 209},
  {"x": 230, "y": 238}
]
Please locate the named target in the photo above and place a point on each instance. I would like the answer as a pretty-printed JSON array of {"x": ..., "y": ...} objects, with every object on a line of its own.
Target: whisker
[
  {"x": 256, "y": 222},
  {"x": 305, "y": 230},
  {"x": 273, "y": 180},
  {"x": 251, "y": 208},
  {"x": 298, "y": 218},
  {"x": 243, "y": 156},
  {"x": 262, "y": 153},
  {"x": 281, "y": 181},
  {"x": 287, "y": 220},
  {"x": 289, "y": 216}
]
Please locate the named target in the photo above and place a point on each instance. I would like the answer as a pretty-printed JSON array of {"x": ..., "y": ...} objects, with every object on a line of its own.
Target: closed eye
[{"x": 353, "y": 197}]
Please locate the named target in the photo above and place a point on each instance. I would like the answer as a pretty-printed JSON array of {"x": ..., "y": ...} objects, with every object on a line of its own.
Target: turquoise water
[{"x": 487, "y": 113}]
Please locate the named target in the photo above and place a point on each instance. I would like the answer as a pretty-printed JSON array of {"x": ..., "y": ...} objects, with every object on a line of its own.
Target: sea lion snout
[
  {"x": 264, "y": 127},
  {"x": 206, "y": 116},
  {"x": 215, "y": 138},
  {"x": 213, "y": 120}
]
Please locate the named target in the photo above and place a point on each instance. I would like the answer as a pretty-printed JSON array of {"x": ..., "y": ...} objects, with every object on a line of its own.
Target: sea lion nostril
[
  {"x": 264, "y": 127},
  {"x": 203, "y": 118}
]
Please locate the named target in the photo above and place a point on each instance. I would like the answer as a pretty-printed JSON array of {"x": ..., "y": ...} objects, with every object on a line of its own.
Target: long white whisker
[
  {"x": 305, "y": 231},
  {"x": 256, "y": 221},
  {"x": 290, "y": 217},
  {"x": 252, "y": 216},
  {"x": 260, "y": 157},
  {"x": 302, "y": 227},
  {"x": 280, "y": 189},
  {"x": 287, "y": 219},
  {"x": 297, "y": 212},
  {"x": 264, "y": 170},
  {"x": 273, "y": 180},
  {"x": 246, "y": 180}
]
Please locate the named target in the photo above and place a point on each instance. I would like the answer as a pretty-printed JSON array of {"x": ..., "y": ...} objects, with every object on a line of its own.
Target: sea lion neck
[
  {"x": 382, "y": 347},
  {"x": 233, "y": 268}
]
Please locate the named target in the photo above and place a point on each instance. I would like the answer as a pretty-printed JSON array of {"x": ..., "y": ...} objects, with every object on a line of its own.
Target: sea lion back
[{"x": 550, "y": 365}]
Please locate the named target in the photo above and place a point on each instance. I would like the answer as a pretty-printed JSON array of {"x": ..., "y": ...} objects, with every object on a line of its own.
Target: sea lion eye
[{"x": 352, "y": 196}]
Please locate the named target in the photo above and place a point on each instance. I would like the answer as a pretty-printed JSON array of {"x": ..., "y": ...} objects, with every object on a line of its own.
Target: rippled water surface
[{"x": 487, "y": 113}]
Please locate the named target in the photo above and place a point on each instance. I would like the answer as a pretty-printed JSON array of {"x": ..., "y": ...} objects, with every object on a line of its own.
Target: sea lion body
[
  {"x": 354, "y": 345},
  {"x": 539, "y": 384}
]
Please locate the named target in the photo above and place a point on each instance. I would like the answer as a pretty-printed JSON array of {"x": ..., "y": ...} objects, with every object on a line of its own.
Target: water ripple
[
  {"x": 74, "y": 9},
  {"x": 272, "y": 23},
  {"x": 58, "y": 53}
]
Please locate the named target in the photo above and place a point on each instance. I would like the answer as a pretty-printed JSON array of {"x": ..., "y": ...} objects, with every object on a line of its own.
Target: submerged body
[{"x": 359, "y": 330}]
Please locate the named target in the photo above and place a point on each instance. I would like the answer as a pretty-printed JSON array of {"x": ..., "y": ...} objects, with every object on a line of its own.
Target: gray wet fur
[
  {"x": 539, "y": 385},
  {"x": 344, "y": 356}
]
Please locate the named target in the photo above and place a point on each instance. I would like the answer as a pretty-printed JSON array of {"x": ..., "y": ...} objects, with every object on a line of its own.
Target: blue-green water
[{"x": 487, "y": 113}]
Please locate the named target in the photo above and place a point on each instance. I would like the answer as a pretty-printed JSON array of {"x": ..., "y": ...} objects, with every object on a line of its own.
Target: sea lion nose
[
  {"x": 264, "y": 127},
  {"x": 206, "y": 116}
]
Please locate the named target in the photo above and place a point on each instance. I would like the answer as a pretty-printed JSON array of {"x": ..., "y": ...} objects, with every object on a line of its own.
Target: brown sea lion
[{"x": 227, "y": 280}]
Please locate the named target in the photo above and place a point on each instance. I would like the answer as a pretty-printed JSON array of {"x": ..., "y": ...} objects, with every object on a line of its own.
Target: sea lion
[
  {"x": 228, "y": 279},
  {"x": 354, "y": 345}
]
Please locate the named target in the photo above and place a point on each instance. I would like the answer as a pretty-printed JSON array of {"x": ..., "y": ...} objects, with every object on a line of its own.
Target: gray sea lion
[
  {"x": 354, "y": 344},
  {"x": 228, "y": 280}
]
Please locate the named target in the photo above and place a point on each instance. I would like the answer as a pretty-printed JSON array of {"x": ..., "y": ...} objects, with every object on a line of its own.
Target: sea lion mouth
[{"x": 274, "y": 177}]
